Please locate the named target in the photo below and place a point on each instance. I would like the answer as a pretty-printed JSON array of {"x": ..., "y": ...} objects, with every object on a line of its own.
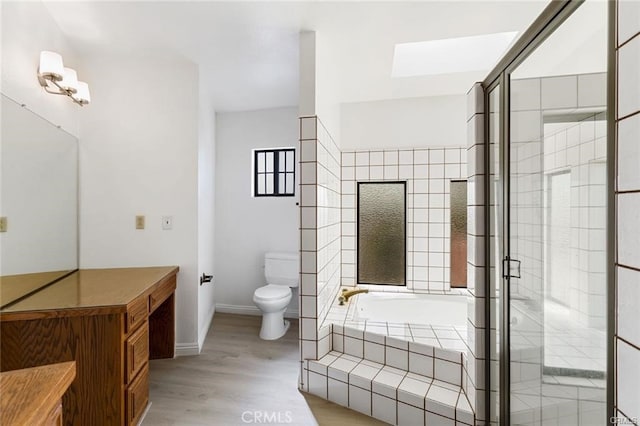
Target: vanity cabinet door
[
  {"x": 138, "y": 396},
  {"x": 137, "y": 312},
  {"x": 137, "y": 350}
]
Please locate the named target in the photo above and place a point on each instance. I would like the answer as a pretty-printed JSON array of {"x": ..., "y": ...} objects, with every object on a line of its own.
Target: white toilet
[{"x": 281, "y": 272}]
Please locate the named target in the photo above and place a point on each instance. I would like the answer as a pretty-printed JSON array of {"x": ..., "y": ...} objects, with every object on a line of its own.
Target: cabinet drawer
[
  {"x": 136, "y": 313},
  {"x": 55, "y": 416},
  {"x": 161, "y": 293},
  {"x": 137, "y": 396},
  {"x": 137, "y": 351}
]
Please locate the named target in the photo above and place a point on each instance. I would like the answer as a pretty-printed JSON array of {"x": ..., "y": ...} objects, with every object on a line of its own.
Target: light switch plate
[
  {"x": 140, "y": 222},
  {"x": 3, "y": 224}
]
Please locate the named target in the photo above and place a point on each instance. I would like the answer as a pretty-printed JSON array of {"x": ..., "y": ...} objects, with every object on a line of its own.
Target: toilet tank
[{"x": 282, "y": 268}]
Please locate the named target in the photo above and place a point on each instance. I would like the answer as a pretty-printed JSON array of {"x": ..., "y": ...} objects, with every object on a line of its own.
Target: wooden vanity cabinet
[
  {"x": 110, "y": 342},
  {"x": 32, "y": 396}
]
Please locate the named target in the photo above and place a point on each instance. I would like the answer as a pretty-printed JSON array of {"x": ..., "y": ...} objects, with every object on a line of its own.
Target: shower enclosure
[{"x": 546, "y": 131}]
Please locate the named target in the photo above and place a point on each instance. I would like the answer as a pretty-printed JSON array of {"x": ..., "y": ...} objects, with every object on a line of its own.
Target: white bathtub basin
[{"x": 434, "y": 309}]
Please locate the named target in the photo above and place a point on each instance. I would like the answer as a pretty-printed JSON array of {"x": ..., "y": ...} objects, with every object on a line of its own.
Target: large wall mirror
[{"x": 38, "y": 202}]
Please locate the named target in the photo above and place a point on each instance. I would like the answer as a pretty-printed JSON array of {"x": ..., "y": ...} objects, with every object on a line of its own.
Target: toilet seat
[{"x": 272, "y": 292}]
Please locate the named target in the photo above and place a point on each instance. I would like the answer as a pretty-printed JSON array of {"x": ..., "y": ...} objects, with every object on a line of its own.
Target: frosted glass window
[
  {"x": 458, "y": 233},
  {"x": 382, "y": 233},
  {"x": 274, "y": 173}
]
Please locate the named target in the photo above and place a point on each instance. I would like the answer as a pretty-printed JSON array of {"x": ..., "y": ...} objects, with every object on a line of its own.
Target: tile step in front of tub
[
  {"x": 415, "y": 357},
  {"x": 395, "y": 396}
]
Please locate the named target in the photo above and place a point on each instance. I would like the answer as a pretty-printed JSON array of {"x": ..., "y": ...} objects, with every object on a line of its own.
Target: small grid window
[{"x": 274, "y": 172}]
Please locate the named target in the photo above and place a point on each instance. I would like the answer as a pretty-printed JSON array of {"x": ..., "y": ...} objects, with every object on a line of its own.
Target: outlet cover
[
  {"x": 167, "y": 223},
  {"x": 3, "y": 224}
]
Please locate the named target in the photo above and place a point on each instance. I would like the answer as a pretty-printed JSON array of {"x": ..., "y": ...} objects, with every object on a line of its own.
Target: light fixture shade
[
  {"x": 83, "y": 95},
  {"x": 70, "y": 80},
  {"x": 51, "y": 66}
]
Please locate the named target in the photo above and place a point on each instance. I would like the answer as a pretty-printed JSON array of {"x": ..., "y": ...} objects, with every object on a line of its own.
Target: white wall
[
  {"x": 206, "y": 194},
  {"x": 328, "y": 89},
  {"x": 247, "y": 227},
  {"x": 404, "y": 123},
  {"x": 138, "y": 156},
  {"x": 27, "y": 29}
]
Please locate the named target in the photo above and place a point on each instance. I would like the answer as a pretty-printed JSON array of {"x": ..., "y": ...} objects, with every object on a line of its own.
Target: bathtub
[{"x": 434, "y": 309}]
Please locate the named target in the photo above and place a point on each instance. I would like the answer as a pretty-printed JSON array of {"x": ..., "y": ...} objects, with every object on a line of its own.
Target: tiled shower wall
[
  {"x": 581, "y": 150},
  {"x": 428, "y": 173},
  {"x": 319, "y": 234},
  {"x": 474, "y": 363},
  {"x": 576, "y": 151},
  {"x": 627, "y": 400}
]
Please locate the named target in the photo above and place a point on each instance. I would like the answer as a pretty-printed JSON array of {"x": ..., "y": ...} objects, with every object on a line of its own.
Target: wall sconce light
[{"x": 58, "y": 80}]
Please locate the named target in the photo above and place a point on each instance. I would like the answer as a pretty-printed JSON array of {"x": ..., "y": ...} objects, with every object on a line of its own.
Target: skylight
[{"x": 452, "y": 55}]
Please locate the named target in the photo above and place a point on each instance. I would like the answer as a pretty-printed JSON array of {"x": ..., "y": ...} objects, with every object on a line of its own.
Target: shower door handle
[{"x": 510, "y": 268}]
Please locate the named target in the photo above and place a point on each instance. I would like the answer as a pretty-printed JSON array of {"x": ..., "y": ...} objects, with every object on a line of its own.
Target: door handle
[{"x": 510, "y": 268}]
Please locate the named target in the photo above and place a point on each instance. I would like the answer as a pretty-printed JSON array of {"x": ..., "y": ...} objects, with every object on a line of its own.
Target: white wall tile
[
  {"x": 475, "y": 100},
  {"x": 421, "y": 364},
  {"x": 592, "y": 90},
  {"x": 376, "y": 158},
  {"x": 525, "y": 126},
  {"x": 525, "y": 94},
  {"x": 308, "y": 260},
  {"x": 383, "y": 408},
  {"x": 559, "y": 92},
  {"x": 628, "y": 229},
  {"x": 374, "y": 352},
  {"x": 362, "y": 172},
  {"x": 387, "y": 381},
  {"x": 447, "y": 372},
  {"x": 629, "y": 78},
  {"x": 348, "y": 159},
  {"x": 409, "y": 415},
  {"x": 338, "y": 392},
  {"x": 390, "y": 158},
  {"x": 360, "y": 400},
  {"x": 397, "y": 358},
  {"x": 318, "y": 384},
  {"x": 435, "y": 419},
  {"x": 353, "y": 346},
  {"x": 629, "y": 154},
  {"x": 376, "y": 172},
  {"x": 628, "y": 303},
  {"x": 308, "y": 150},
  {"x": 405, "y": 157},
  {"x": 421, "y": 156},
  {"x": 628, "y": 376},
  {"x": 628, "y": 19},
  {"x": 308, "y": 128}
]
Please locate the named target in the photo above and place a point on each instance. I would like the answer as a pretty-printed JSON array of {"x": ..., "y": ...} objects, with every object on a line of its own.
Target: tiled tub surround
[
  {"x": 387, "y": 369},
  {"x": 401, "y": 321},
  {"x": 411, "y": 384},
  {"x": 319, "y": 233},
  {"x": 427, "y": 173}
]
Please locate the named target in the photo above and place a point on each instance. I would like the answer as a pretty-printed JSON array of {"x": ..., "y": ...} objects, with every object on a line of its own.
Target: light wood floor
[{"x": 237, "y": 377}]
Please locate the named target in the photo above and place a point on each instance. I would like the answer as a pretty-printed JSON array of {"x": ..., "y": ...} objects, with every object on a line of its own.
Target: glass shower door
[{"x": 556, "y": 245}]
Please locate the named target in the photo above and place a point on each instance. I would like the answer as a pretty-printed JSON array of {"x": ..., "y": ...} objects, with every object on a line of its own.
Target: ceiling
[{"x": 248, "y": 51}]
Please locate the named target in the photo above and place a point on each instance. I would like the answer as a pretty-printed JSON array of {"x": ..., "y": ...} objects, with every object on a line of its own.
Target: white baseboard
[
  {"x": 205, "y": 330},
  {"x": 249, "y": 310},
  {"x": 144, "y": 414},
  {"x": 187, "y": 349}
]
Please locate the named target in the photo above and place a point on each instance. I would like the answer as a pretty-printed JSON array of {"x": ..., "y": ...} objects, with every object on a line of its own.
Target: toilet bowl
[{"x": 281, "y": 272}]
